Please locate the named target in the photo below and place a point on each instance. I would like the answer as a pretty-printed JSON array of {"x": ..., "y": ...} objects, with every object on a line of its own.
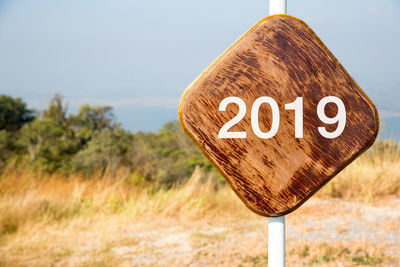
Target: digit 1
[{"x": 297, "y": 106}]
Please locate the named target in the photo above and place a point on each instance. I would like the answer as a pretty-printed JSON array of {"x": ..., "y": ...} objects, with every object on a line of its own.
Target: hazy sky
[{"x": 139, "y": 56}]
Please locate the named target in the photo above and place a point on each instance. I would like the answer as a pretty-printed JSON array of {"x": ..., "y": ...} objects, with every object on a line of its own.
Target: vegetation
[
  {"x": 93, "y": 142},
  {"x": 38, "y": 195}
]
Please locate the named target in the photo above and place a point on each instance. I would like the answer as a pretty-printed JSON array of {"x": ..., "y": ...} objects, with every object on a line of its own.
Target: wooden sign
[{"x": 278, "y": 115}]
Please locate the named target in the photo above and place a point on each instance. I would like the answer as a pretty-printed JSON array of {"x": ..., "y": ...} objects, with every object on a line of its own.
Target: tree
[
  {"x": 91, "y": 120},
  {"x": 105, "y": 152},
  {"x": 166, "y": 157},
  {"x": 13, "y": 113},
  {"x": 94, "y": 118},
  {"x": 48, "y": 145},
  {"x": 57, "y": 112}
]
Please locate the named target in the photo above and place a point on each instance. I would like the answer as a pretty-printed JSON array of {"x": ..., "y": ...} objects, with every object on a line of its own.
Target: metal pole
[
  {"x": 277, "y": 7},
  {"x": 276, "y": 225},
  {"x": 276, "y": 241}
]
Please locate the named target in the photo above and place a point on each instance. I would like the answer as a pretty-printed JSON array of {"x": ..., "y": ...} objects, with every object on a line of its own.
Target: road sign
[{"x": 278, "y": 115}]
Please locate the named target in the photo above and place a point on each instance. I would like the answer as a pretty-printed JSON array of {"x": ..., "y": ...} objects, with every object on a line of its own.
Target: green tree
[
  {"x": 166, "y": 157},
  {"x": 42, "y": 139},
  {"x": 48, "y": 145},
  {"x": 92, "y": 120},
  {"x": 57, "y": 112},
  {"x": 105, "y": 152},
  {"x": 13, "y": 113}
]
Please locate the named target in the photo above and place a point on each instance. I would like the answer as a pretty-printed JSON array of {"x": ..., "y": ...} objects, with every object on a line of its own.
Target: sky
[{"x": 139, "y": 56}]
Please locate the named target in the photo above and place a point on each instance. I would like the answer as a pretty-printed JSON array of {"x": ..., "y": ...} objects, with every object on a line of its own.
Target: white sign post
[
  {"x": 277, "y": 7},
  {"x": 276, "y": 225},
  {"x": 276, "y": 241}
]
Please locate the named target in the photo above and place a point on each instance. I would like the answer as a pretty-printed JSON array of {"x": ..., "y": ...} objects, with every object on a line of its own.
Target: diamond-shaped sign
[{"x": 278, "y": 115}]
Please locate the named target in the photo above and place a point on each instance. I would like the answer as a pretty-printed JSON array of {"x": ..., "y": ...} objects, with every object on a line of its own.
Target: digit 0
[{"x": 255, "y": 110}]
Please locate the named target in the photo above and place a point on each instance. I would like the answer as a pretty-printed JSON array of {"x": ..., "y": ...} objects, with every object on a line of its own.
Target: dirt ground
[{"x": 320, "y": 233}]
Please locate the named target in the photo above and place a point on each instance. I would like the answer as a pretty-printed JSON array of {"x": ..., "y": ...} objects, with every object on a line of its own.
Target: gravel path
[{"x": 349, "y": 233}]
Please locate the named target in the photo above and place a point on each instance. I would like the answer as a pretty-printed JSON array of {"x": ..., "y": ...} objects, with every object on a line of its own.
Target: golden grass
[
  {"x": 371, "y": 177},
  {"x": 26, "y": 196},
  {"x": 36, "y": 207}
]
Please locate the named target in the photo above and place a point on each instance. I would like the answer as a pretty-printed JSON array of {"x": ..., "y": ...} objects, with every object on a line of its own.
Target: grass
[
  {"x": 27, "y": 198},
  {"x": 38, "y": 207},
  {"x": 373, "y": 176},
  {"x": 259, "y": 260},
  {"x": 352, "y": 253}
]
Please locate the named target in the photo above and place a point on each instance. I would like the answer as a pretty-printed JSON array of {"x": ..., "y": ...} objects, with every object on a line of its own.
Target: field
[{"x": 54, "y": 220}]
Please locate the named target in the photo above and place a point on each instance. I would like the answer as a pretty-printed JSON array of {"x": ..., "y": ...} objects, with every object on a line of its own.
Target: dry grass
[
  {"x": 76, "y": 221},
  {"x": 373, "y": 176},
  {"x": 27, "y": 198}
]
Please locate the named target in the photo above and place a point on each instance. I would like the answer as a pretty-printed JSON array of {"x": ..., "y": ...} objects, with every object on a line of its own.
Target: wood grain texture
[{"x": 280, "y": 57}]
